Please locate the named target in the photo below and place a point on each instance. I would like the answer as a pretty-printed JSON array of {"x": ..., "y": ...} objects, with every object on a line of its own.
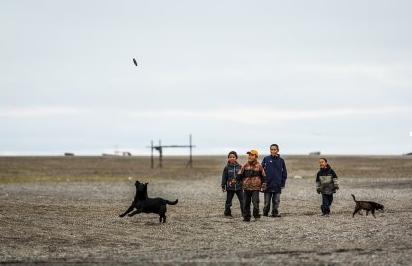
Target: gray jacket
[{"x": 327, "y": 181}]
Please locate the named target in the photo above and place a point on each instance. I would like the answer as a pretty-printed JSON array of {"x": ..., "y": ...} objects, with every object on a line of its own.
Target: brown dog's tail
[
  {"x": 172, "y": 202},
  {"x": 353, "y": 196}
]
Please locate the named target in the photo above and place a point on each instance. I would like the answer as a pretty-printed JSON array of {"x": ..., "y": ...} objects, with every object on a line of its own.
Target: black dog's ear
[{"x": 146, "y": 183}]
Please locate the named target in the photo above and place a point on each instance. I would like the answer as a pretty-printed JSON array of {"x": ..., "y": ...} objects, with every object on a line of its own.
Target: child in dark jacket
[
  {"x": 327, "y": 184},
  {"x": 231, "y": 183},
  {"x": 276, "y": 175}
]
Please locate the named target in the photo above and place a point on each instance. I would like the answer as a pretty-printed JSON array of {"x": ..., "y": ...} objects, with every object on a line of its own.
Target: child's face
[
  {"x": 322, "y": 163},
  {"x": 274, "y": 151},
  {"x": 232, "y": 158},
  {"x": 252, "y": 157}
]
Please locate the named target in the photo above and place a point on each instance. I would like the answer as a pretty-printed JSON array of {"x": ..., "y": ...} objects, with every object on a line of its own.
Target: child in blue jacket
[{"x": 276, "y": 175}]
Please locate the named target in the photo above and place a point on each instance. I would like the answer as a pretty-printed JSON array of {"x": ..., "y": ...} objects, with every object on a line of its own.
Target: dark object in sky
[{"x": 135, "y": 62}]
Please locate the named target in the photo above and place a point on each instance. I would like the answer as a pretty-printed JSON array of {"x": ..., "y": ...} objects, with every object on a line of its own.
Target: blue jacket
[
  {"x": 276, "y": 173},
  {"x": 231, "y": 180}
]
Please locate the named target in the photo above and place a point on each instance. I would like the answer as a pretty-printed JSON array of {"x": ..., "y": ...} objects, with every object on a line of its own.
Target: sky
[{"x": 329, "y": 76}]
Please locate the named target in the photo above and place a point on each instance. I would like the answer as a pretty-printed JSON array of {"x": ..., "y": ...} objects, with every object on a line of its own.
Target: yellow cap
[{"x": 253, "y": 152}]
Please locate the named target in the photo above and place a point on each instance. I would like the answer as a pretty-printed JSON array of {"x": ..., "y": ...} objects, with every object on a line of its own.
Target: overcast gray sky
[{"x": 334, "y": 76}]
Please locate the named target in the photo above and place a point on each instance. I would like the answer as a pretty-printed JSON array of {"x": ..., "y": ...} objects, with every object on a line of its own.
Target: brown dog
[{"x": 368, "y": 206}]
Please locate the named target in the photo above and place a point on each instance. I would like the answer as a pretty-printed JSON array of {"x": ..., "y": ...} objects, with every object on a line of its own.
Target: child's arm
[
  {"x": 318, "y": 188},
  {"x": 241, "y": 172},
  {"x": 238, "y": 175},
  {"x": 264, "y": 163},
  {"x": 335, "y": 180},
  {"x": 224, "y": 179},
  {"x": 263, "y": 178},
  {"x": 263, "y": 174},
  {"x": 284, "y": 174}
]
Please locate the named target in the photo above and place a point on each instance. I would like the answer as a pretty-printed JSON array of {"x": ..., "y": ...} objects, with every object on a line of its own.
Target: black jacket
[{"x": 230, "y": 177}]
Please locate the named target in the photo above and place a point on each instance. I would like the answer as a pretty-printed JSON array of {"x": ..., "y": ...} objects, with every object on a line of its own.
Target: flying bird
[{"x": 135, "y": 62}]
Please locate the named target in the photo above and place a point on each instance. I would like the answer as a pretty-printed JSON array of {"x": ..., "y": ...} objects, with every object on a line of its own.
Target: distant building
[
  {"x": 68, "y": 154},
  {"x": 317, "y": 153},
  {"x": 118, "y": 153}
]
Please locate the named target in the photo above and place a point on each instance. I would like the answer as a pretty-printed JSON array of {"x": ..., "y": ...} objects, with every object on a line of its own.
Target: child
[
  {"x": 327, "y": 184},
  {"x": 276, "y": 175},
  {"x": 252, "y": 174},
  {"x": 231, "y": 183}
]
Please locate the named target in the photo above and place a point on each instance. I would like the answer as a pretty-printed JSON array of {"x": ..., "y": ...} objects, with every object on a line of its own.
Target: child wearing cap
[
  {"x": 252, "y": 175},
  {"x": 231, "y": 183}
]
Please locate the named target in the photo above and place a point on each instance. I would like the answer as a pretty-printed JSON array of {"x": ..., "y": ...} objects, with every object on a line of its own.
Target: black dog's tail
[
  {"x": 353, "y": 196},
  {"x": 172, "y": 202}
]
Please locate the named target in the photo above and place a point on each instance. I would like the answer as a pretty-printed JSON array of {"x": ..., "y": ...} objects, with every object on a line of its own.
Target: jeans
[
  {"x": 275, "y": 199},
  {"x": 326, "y": 203},
  {"x": 251, "y": 197},
  {"x": 229, "y": 197}
]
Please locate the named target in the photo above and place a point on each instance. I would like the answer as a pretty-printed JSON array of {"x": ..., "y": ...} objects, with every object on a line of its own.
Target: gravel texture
[{"x": 71, "y": 222}]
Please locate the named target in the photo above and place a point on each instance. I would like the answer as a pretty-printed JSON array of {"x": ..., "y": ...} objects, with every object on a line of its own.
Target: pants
[
  {"x": 229, "y": 197},
  {"x": 248, "y": 197},
  {"x": 275, "y": 199},
  {"x": 326, "y": 203}
]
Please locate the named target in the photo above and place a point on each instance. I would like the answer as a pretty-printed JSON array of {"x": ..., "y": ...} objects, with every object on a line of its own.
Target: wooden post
[
  {"x": 190, "y": 162},
  {"x": 160, "y": 154},
  {"x": 160, "y": 149},
  {"x": 190, "y": 147},
  {"x": 151, "y": 155}
]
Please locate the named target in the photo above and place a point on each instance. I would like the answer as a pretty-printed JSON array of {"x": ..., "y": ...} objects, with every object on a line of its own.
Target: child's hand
[
  {"x": 319, "y": 190},
  {"x": 223, "y": 189},
  {"x": 263, "y": 188}
]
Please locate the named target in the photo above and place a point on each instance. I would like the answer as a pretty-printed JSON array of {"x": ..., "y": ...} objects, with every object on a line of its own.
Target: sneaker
[
  {"x": 246, "y": 219},
  {"x": 275, "y": 215},
  {"x": 265, "y": 214}
]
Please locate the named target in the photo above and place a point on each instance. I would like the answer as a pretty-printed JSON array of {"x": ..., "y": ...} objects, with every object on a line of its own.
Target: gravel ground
[{"x": 77, "y": 222}]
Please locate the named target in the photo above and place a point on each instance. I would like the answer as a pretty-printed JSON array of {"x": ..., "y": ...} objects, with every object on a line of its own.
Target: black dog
[
  {"x": 368, "y": 206},
  {"x": 144, "y": 204}
]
